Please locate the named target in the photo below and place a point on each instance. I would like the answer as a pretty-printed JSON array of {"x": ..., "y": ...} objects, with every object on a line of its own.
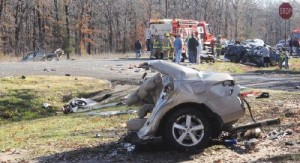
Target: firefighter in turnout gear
[
  {"x": 156, "y": 47},
  {"x": 166, "y": 46},
  {"x": 218, "y": 46},
  {"x": 283, "y": 58}
]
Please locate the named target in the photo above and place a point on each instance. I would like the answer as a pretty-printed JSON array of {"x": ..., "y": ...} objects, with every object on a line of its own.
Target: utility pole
[{"x": 166, "y": 9}]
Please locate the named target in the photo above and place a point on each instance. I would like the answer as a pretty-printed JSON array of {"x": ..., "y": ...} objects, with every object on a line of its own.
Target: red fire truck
[
  {"x": 207, "y": 37},
  {"x": 184, "y": 27}
]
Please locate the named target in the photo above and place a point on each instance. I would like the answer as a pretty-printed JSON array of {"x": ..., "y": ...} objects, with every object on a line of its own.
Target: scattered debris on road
[{"x": 49, "y": 69}]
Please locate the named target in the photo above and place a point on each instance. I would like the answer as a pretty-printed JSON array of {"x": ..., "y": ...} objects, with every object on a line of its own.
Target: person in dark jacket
[
  {"x": 296, "y": 46},
  {"x": 291, "y": 45},
  {"x": 138, "y": 47},
  {"x": 192, "y": 46}
]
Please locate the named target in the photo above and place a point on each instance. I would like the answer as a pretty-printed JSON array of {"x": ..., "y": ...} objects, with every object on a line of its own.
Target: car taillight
[{"x": 229, "y": 84}]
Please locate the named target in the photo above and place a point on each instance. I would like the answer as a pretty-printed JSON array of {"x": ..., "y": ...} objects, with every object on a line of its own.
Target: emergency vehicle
[
  {"x": 207, "y": 37},
  {"x": 184, "y": 27}
]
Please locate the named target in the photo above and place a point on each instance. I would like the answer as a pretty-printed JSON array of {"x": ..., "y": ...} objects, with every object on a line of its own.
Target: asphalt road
[{"x": 118, "y": 70}]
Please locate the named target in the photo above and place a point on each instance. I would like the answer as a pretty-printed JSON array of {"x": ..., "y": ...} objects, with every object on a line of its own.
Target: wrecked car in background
[
  {"x": 235, "y": 53},
  {"x": 187, "y": 107},
  {"x": 255, "y": 58},
  {"x": 250, "y": 55},
  {"x": 42, "y": 55}
]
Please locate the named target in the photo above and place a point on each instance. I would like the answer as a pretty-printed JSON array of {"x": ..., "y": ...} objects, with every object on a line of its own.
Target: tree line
[{"x": 103, "y": 26}]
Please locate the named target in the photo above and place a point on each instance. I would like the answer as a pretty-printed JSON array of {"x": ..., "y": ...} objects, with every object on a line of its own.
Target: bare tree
[{"x": 101, "y": 26}]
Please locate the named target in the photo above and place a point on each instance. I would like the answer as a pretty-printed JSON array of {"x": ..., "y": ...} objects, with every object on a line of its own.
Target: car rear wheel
[{"x": 187, "y": 129}]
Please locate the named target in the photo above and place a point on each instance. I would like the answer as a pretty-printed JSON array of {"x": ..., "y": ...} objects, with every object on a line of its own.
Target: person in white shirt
[
  {"x": 199, "y": 51},
  {"x": 265, "y": 51}
]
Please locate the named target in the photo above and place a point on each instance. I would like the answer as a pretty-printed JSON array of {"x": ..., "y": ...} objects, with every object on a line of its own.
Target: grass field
[
  {"x": 23, "y": 97},
  {"x": 54, "y": 134}
]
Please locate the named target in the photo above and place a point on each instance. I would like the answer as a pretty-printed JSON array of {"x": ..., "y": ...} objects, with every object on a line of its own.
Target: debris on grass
[
  {"x": 250, "y": 145},
  {"x": 84, "y": 105},
  {"x": 276, "y": 134},
  {"x": 264, "y": 95},
  {"x": 79, "y": 105},
  {"x": 112, "y": 113},
  {"x": 46, "y": 105}
]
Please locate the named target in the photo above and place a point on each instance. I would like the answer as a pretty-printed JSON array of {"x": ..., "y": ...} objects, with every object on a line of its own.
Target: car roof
[{"x": 283, "y": 40}]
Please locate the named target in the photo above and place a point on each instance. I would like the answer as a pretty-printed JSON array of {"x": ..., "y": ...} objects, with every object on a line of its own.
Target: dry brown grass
[{"x": 9, "y": 58}]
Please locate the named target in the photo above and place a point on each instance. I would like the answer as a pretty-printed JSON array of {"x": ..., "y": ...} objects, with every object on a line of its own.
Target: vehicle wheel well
[{"x": 213, "y": 118}]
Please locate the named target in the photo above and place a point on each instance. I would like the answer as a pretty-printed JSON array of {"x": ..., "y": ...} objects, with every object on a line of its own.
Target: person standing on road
[
  {"x": 296, "y": 46},
  {"x": 199, "y": 50},
  {"x": 151, "y": 45},
  {"x": 138, "y": 47},
  {"x": 156, "y": 48},
  {"x": 265, "y": 51},
  {"x": 192, "y": 46},
  {"x": 286, "y": 61},
  {"x": 218, "y": 46},
  {"x": 178, "y": 48},
  {"x": 283, "y": 58},
  {"x": 166, "y": 47},
  {"x": 291, "y": 45},
  {"x": 172, "y": 52}
]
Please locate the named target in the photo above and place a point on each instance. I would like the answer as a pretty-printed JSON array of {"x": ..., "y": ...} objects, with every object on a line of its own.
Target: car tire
[{"x": 187, "y": 129}]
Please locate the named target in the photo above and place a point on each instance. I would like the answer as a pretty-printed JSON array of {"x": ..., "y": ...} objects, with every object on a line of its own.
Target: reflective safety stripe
[
  {"x": 167, "y": 47},
  {"x": 218, "y": 46},
  {"x": 155, "y": 44}
]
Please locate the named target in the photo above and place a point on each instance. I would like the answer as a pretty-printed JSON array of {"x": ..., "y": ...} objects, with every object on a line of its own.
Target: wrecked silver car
[
  {"x": 42, "y": 55},
  {"x": 188, "y": 107}
]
